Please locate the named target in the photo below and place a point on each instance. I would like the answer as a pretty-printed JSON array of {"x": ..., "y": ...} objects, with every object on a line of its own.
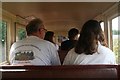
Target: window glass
[
  {"x": 115, "y": 34},
  {"x": 3, "y": 41},
  {"x": 102, "y": 25},
  {"x": 20, "y": 32}
]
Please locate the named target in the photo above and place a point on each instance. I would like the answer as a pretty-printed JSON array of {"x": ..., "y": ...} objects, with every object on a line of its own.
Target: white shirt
[
  {"x": 33, "y": 51},
  {"x": 57, "y": 46},
  {"x": 103, "y": 56}
]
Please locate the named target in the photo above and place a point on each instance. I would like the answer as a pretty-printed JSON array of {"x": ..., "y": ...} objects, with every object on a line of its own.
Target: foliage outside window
[
  {"x": 116, "y": 41},
  {"x": 20, "y": 32},
  {"x": 3, "y": 40}
]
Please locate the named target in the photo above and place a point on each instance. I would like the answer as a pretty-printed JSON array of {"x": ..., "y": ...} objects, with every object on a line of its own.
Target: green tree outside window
[
  {"x": 21, "y": 34},
  {"x": 3, "y": 40}
]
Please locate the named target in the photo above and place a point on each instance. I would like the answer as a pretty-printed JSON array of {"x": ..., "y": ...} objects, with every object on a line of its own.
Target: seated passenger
[
  {"x": 90, "y": 48},
  {"x": 49, "y": 36},
  {"x": 69, "y": 44},
  {"x": 33, "y": 50}
]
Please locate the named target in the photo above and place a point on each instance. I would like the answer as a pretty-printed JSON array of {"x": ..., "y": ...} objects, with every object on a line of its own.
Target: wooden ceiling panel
[{"x": 58, "y": 15}]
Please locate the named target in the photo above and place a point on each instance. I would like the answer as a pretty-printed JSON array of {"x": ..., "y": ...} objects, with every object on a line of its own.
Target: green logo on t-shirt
[{"x": 24, "y": 55}]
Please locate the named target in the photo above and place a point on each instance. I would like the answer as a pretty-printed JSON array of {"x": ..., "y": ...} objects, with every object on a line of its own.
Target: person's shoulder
[
  {"x": 104, "y": 49},
  {"x": 72, "y": 50},
  {"x": 18, "y": 42}
]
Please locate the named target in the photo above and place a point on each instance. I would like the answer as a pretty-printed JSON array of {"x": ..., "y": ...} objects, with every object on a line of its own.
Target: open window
[
  {"x": 20, "y": 31},
  {"x": 115, "y": 37},
  {"x": 3, "y": 41}
]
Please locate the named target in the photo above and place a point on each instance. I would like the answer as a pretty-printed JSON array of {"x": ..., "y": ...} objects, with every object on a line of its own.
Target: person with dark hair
[
  {"x": 91, "y": 47},
  {"x": 69, "y": 44},
  {"x": 34, "y": 50},
  {"x": 49, "y": 36}
]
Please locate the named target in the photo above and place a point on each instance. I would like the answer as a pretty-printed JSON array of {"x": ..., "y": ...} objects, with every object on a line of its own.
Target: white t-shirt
[
  {"x": 33, "y": 51},
  {"x": 103, "y": 56},
  {"x": 57, "y": 46}
]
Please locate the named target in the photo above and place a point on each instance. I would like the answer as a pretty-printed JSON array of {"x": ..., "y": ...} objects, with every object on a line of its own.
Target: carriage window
[
  {"x": 3, "y": 41},
  {"x": 20, "y": 32},
  {"x": 115, "y": 34}
]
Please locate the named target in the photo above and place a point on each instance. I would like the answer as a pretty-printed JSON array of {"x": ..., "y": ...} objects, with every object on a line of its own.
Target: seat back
[{"x": 102, "y": 72}]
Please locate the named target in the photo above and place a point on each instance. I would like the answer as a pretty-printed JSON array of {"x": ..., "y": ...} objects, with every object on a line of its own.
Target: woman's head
[
  {"x": 90, "y": 34},
  {"x": 72, "y": 33},
  {"x": 49, "y": 36}
]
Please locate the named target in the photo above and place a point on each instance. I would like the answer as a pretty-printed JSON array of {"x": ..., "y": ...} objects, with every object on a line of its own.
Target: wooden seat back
[{"x": 102, "y": 72}]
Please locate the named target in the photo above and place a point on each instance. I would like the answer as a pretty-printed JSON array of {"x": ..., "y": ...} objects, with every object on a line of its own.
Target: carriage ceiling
[{"x": 58, "y": 16}]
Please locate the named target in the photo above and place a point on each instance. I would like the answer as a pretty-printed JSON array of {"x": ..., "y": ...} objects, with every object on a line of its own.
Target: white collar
[{"x": 34, "y": 37}]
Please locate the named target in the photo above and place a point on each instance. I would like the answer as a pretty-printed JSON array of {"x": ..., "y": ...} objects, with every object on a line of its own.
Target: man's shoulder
[
  {"x": 104, "y": 49},
  {"x": 18, "y": 42}
]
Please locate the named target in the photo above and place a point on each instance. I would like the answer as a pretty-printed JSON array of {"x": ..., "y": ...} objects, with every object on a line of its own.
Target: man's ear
[{"x": 40, "y": 31}]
